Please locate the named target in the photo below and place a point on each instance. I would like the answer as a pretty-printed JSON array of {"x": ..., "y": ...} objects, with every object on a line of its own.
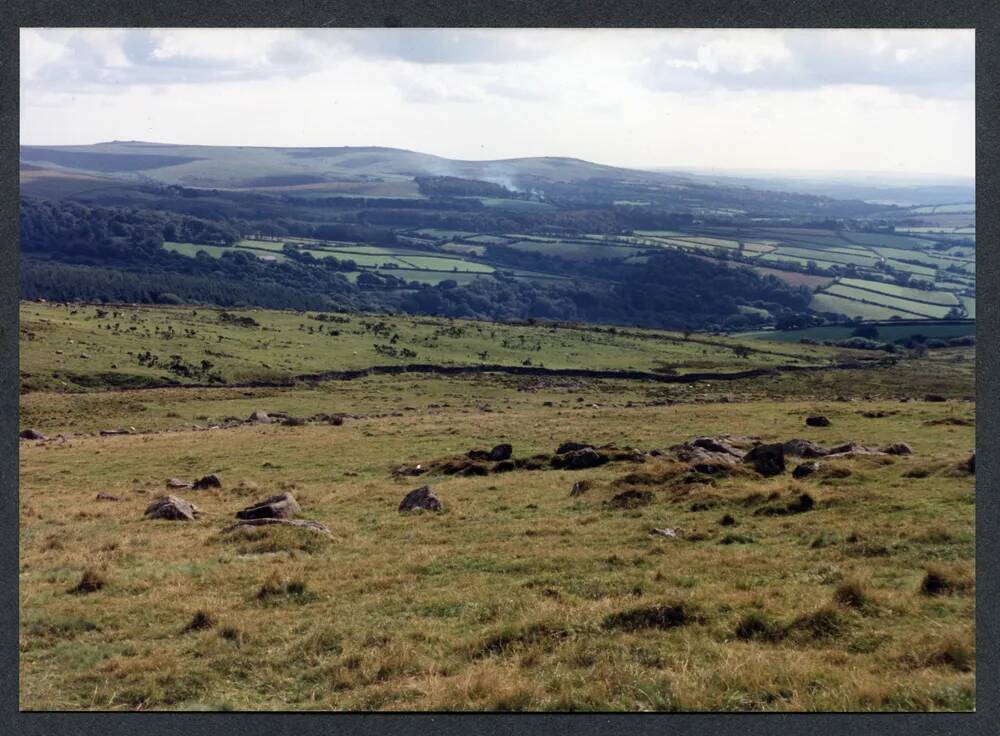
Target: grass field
[
  {"x": 518, "y": 596},
  {"x": 283, "y": 345}
]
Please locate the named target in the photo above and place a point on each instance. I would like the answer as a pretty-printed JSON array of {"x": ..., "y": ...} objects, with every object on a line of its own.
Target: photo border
[{"x": 983, "y": 15}]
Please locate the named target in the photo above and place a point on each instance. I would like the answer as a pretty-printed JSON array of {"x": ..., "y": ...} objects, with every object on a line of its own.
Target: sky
[{"x": 897, "y": 101}]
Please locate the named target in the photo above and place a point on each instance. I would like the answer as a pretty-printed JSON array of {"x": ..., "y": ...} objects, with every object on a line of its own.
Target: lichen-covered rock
[
  {"x": 172, "y": 508},
  {"x": 177, "y": 483},
  {"x": 804, "y": 448},
  {"x": 898, "y": 448},
  {"x": 420, "y": 499},
  {"x": 281, "y": 506}
]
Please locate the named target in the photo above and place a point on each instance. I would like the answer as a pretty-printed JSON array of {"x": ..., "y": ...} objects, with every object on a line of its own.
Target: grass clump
[
  {"x": 757, "y": 626},
  {"x": 737, "y": 539},
  {"x": 940, "y": 580},
  {"x": 851, "y": 594},
  {"x": 654, "y": 617},
  {"x": 275, "y": 591},
  {"x": 511, "y": 638},
  {"x": 90, "y": 582},
  {"x": 824, "y": 623},
  {"x": 272, "y": 539},
  {"x": 201, "y": 621}
]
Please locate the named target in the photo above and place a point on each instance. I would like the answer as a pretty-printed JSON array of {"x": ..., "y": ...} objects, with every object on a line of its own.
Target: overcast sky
[{"x": 893, "y": 101}]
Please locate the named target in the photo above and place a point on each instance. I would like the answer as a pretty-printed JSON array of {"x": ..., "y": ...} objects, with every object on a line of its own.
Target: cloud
[
  {"x": 441, "y": 46},
  {"x": 923, "y": 63}
]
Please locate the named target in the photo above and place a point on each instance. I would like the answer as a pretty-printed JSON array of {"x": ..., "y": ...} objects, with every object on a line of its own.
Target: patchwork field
[{"x": 542, "y": 587}]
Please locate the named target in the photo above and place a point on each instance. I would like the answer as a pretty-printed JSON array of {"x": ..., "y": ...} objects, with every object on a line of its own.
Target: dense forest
[{"x": 72, "y": 251}]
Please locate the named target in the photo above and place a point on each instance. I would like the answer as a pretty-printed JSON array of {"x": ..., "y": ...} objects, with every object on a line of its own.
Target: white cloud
[{"x": 874, "y": 100}]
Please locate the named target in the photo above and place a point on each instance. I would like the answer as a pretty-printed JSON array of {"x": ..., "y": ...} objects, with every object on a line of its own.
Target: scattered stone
[
  {"x": 464, "y": 468},
  {"x": 85, "y": 356},
  {"x": 113, "y": 432},
  {"x": 207, "y": 481},
  {"x": 898, "y": 448},
  {"x": 631, "y": 499},
  {"x": 260, "y": 417},
  {"x": 282, "y": 506},
  {"x": 504, "y": 466},
  {"x": 548, "y": 403},
  {"x": 588, "y": 457},
  {"x": 298, "y": 523},
  {"x": 478, "y": 455},
  {"x": 420, "y": 499},
  {"x": 31, "y": 434},
  {"x": 711, "y": 449},
  {"x": 970, "y": 464},
  {"x": 876, "y": 414},
  {"x": 934, "y": 398},
  {"x": 408, "y": 470},
  {"x": 666, "y": 532},
  {"x": 818, "y": 421},
  {"x": 804, "y": 448},
  {"x": 580, "y": 487},
  {"x": 852, "y": 449},
  {"x": 727, "y": 520},
  {"x": 172, "y": 508},
  {"x": 805, "y": 469},
  {"x": 177, "y": 483},
  {"x": 767, "y": 460},
  {"x": 102, "y": 496},
  {"x": 501, "y": 452},
  {"x": 566, "y": 447}
]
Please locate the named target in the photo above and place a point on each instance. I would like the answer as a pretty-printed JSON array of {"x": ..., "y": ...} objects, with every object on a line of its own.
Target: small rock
[
  {"x": 260, "y": 417},
  {"x": 408, "y": 470},
  {"x": 208, "y": 481},
  {"x": 898, "y": 448},
  {"x": 767, "y": 460},
  {"x": 298, "y": 523},
  {"x": 666, "y": 532},
  {"x": 501, "y": 452},
  {"x": 177, "y": 483},
  {"x": 282, "y": 506},
  {"x": 934, "y": 398},
  {"x": 31, "y": 434},
  {"x": 172, "y": 508},
  {"x": 504, "y": 466},
  {"x": 420, "y": 499},
  {"x": 804, "y": 448},
  {"x": 85, "y": 356},
  {"x": 970, "y": 464},
  {"x": 102, "y": 496},
  {"x": 818, "y": 421},
  {"x": 588, "y": 457},
  {"x": 566, "y": 447},
  {"x": 805, "y": 469}
]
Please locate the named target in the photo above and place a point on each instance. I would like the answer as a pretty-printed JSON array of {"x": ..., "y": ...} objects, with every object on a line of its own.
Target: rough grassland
[{"x": 518, "y": 596}]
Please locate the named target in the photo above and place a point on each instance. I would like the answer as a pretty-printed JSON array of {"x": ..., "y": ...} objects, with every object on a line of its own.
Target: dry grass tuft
[
  {"x": 91, "y": 582},
  {"x": 941, "y": 580}
]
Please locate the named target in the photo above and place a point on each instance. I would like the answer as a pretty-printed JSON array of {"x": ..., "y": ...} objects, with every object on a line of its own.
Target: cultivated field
[{"x": 851, "y": 588}]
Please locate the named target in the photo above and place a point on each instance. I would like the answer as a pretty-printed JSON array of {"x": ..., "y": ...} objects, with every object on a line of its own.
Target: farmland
[{"x": 518, "y": 595}]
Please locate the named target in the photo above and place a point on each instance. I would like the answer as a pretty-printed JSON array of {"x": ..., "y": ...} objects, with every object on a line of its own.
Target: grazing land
[{"x": 645, "y": 581}]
